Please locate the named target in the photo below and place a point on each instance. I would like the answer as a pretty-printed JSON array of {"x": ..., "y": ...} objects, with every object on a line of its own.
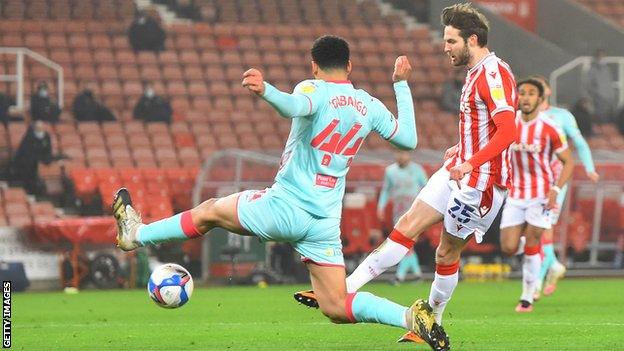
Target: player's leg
[
  {"x": 530, "y": 268},
  {"x": 416, "y": 266},
  {"x": 336, "y": 304},
  {"x": 329, "y": 286},
  {"x": 132, "y": 233},
  {"x": 413, "y": 264},
  {"x": 470, "y": 212},
  {"x": 513, "y": 223},
  {"x": 510, "y": 239},
  {"x": 426, "y": 210},
  {"x": 402, "y": 269},
  {"x": 402, "y": 238},
  {"x": 446, "y": 272},
  {"x": 552, "y": 270},
  {"x": 548, "y": 258}
]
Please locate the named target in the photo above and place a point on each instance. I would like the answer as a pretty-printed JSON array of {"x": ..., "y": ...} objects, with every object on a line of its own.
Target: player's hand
[
  {"x": 402, "y": 69},
  {"x": 552, "y": 200},
  {"x": 253, "y": 80},
  {"x": 450, "y": 151},
  {"x": 458, "y": 172},
  {"x": 593, "y": 176},
  {"x": 380, "y": 215}
]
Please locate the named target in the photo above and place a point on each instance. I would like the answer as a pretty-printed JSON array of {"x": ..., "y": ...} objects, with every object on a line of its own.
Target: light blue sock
[
  {"x": 403, "y": 267},
  {"x": 549, "y": 259},
  {"x": 368, "y": 308},
  {"x": 416, "y": 265},
  {"x": 177, "y": 227}
]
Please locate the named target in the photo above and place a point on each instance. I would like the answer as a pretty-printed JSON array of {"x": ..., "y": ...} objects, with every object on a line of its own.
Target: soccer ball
[{"x": 170, "y": 285}]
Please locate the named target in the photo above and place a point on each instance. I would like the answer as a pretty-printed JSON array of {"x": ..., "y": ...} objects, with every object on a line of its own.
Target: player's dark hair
[
  {"x": 541, "y": 79},
  {"x": 535, "y": 82},
  {"x": 330, "y": 52},
  {"x": 468, "y": 20}
]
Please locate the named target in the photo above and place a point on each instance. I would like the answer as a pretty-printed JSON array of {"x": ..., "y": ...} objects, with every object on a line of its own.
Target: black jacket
[
  {"x": 42, "y": 108},
  {"x": 31, "y": 151},
  {"x": 86, "y": 108},
  {"x": 154, "y": 109},
  {"x": 147, "y": 36}
]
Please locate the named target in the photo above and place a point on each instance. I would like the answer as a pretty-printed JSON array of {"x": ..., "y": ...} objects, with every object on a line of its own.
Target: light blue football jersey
[
  {"x": 401, "y": 186},
  {"x": 567, "y": 123},
  {"x": 330, "y": 120}
]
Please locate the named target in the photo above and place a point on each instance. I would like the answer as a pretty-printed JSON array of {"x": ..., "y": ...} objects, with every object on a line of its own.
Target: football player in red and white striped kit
[
  {"x": 535, "y": 184},
  {"x": 468, "y": 191}
]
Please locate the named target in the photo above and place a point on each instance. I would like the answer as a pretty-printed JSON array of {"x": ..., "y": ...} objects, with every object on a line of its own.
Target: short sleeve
[{"x": 558, "y": 139}]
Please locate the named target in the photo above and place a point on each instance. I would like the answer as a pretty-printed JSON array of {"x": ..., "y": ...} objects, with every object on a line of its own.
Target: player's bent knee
[
  {"x": 447, "y": 255},
  {"x": 205, "y": 213},
  {"x": 410, "y": 224},
  {"x": 335, "y": 311},
  {"x": 508, "y": 249}
]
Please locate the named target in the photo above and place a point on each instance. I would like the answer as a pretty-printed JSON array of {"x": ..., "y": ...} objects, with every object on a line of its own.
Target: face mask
[
  {"x": 39, "y": 134},
  {"x": 43, "y": 93},
  {"x": 142, "y": 20},
  {"x": 149, "y": 93}
]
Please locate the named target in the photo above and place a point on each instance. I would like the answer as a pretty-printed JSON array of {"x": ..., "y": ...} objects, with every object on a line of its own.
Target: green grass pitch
[{"x": 582, "y": 315}]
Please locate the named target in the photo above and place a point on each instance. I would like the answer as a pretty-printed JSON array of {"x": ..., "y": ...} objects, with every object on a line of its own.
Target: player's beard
[
  {"x": 463, "y": 58},
  {"x": 531, "y": 110}
]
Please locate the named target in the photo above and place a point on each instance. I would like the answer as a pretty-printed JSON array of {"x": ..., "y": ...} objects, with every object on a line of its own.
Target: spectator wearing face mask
[
  {"x": 42, "y": 108},
  {"x": 146, "y": 34},
  {"x": 151, "y": 107},
  {"x": 35, "y": 148},
  {"x": 86, "y": 107}
]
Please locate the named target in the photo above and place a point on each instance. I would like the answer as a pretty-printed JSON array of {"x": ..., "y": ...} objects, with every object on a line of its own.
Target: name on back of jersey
[{"x": 342, "y": 101}]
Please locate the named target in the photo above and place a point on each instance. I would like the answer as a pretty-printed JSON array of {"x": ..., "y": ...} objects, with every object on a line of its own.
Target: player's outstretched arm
[
  {"x": 565, "y": 156},
  {"x": 288, "y": 105},
  {"x": 401, "y": 132},
  {"x": 383, "y": 195},
  {"x": 582, "y": 148}
]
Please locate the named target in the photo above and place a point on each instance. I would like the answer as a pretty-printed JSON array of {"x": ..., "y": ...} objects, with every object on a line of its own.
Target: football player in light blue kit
[
  {"x": 402, "y": 183},
  {"x": 330, "y": 119},
  {"x": 552, "y": 270}
]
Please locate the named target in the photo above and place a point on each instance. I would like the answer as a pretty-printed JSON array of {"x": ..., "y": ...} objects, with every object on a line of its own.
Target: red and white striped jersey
[
  {"x": 532, "y": 156},
  {"x": 490, "y": 88}
]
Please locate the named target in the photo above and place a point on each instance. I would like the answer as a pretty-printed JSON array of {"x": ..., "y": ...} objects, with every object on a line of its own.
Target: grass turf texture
[{"x": 581, "y": 315}]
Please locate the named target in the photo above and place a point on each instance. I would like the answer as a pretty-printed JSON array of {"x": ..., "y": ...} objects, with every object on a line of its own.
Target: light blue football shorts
[
  {"x": 271, "y": 217},
  {"x": 554, "y": 215}
]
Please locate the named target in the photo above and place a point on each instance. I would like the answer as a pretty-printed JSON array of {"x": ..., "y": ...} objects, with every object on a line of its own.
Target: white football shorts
[
  {"x": 467, "y": 210},
  {"x": 520, "y": 211}
]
